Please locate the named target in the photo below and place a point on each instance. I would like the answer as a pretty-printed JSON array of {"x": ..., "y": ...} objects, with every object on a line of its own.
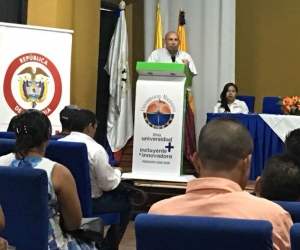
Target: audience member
[
  {"x": 33, "y": 131},
  {"x": 292, "y": 142},
  {"x": 3, "y": 242},
  {"x": 10, "y": 127},
  {"x": 280, "y": 179},
  {"x": 103, "y": 176},
  {"x": 223, "y": 162},
  {"x": 66, "y": 117},
  {"x": 229, "y": 103}
]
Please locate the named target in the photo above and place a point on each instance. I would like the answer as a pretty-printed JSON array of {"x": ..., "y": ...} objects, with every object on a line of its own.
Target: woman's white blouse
[{"x": 237, "y": 107}]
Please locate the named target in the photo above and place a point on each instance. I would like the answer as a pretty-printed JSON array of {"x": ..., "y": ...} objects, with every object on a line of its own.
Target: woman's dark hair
[
  {"x": 32, "y": 129},
  {"x": 223, "y": 101}
]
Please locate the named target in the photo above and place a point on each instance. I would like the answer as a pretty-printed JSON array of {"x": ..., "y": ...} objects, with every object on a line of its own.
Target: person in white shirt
[
  {"x": 171, "y": 53},
  {"x": 103, "y": 176},
  {"x": 229, "y": 103}
]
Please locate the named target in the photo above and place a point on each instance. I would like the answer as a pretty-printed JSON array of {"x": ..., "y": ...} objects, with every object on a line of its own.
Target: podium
[{"x": 159, "y": 122}]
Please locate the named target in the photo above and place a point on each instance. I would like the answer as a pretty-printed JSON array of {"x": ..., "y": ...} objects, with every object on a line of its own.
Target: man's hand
[
  {"x": 186, "y": 62},
  {"x": 3, "y": 244},
  {"x": 115, "y": 168}
]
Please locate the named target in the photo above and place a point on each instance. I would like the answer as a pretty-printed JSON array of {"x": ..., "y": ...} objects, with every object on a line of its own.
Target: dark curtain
[
  {"x": 13, "y": 11},
  {"x": 107, "y": 26}
]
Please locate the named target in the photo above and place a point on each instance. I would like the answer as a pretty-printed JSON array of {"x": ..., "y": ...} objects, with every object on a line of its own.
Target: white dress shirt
[
  {"x": 163, "y": 55},
  {"x": 237, "y": 107},
  {"x": 103, "y": 176}
]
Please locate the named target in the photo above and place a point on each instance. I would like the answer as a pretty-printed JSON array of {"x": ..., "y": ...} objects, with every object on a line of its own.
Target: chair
[
  {"x": 74, "y": 156},
  {"x": 270, "y": 105},
  {"x": 56, "y": 137},
  {"x": 293, "y": 207},
  {"x": 11, "y": 135},
  {"x": 24, "y": 200},
  {"x": 295, "y": 236},
  {"x": 249, "y": 100},
  {"x": 7, "y": 146},
  {"x": 162, "y": 232},
  {"x": 7, "y": 135}
]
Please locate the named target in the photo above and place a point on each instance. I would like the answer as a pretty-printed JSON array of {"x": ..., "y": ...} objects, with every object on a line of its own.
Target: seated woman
[
  {"x": 229, "y": 103},
  {"x": 33, "y": 131},
  {"x": 3, "y": 242}
]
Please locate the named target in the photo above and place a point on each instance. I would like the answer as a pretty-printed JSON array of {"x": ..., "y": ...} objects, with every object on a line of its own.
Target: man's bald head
[
  {"x": 172, "y": 42},
  {"x": 223, "y": 142},
  {"x": 171, "y": 33}
]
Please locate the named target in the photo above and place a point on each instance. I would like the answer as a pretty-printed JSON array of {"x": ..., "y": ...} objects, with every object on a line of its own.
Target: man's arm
[
  {"x": 190, "y": 64},
  {"x": 108, "y": 177}
]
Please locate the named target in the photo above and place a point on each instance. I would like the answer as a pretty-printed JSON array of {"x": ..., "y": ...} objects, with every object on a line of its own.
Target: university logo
[
  {"x": 32, "y": 81},
  {"x": 158, "y": 114}
]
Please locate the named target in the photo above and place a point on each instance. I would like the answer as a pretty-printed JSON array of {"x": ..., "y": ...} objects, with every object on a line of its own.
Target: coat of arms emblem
[{"x": 33, "y": 83}]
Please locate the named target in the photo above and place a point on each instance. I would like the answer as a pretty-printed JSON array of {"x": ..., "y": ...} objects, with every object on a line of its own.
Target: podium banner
[
  {"x": 35, "y": 66},
  {"x": 158, "y": 114}
]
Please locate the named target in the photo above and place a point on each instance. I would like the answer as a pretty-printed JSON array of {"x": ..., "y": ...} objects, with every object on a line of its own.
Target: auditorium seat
[
  {"x": 295, "y": 236},
  {"x": 293, "y": 207},
  {"x": 249, "y": 100},
  {"x": 270, "y": 105},
  {"x": 11, "y": 135},
  {"x": 24, "y": 200},
  {"x": 7, "y": 146},
  {"x": 162, "y": 232},
  {"x": 7, "y": 135},
  {"x": 74, "y": 156}
]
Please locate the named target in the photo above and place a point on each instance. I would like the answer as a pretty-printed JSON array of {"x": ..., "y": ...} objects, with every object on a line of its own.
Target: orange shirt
[{"x": 220, "y": 197}]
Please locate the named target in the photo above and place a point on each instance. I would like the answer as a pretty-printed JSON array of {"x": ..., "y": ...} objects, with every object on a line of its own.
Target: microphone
[{"x": 173, "y": 58}]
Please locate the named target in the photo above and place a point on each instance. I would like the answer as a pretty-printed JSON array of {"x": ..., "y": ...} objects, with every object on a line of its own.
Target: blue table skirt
[{"x": 266, "y": 142}]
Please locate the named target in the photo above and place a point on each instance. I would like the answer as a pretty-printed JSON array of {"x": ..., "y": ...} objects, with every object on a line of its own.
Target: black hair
[
  {"x": 82, "y": 119},
  {"x": 222, "y": 143},
  {"x": 292, "y": 142},
  {"x": 10, "y": 127},
  {"x": 66, "y": 117},
  {"x": 280, "y": 179},
  {"x": 223, "y": 98},
  {"x": 32, "y": 129}
]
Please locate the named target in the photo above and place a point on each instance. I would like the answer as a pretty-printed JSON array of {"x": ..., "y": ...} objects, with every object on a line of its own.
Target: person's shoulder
[
  {"x": 184, "y": 53},
  {"x": 65, "y": 138},
  {"x": 265, "y": 205},
  {"x": 239, "y": 101},
  {"x": 165, "y": 206},
  {"x": 47, "y": 161},
  {"x": 6, "y": 160}
]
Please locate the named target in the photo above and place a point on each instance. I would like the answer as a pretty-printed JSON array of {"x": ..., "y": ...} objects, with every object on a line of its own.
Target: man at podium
[{"x": 171, "y": 53}]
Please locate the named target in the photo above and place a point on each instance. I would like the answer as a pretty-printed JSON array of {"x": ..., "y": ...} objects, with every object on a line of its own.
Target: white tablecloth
[{"x": 281, "y": 124}]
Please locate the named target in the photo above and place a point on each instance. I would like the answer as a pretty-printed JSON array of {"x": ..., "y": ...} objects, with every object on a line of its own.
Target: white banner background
[{"x": 53, "y": 45}]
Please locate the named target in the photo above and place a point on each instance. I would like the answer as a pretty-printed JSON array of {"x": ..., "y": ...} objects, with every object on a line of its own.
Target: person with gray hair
[{"x": 223, "y": 162}]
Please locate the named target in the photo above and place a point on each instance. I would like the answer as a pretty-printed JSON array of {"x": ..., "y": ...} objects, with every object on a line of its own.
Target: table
[{"x": 266, "y": 141}]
